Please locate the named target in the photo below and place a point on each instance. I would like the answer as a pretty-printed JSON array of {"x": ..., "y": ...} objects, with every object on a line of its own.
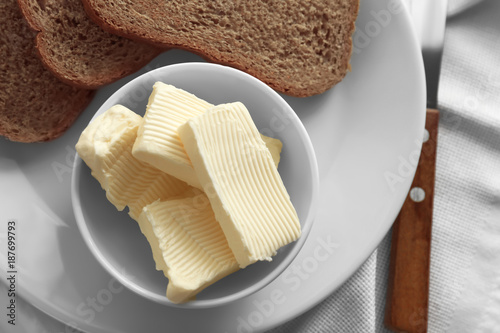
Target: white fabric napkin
[
  {"x": 465, "y": 260},
  {"x": 465, "y": 263}
]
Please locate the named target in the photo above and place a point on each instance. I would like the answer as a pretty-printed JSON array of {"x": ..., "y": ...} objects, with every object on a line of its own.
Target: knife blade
[
  {"x": 407, "y": 300},
  {"x": 429, "y": 20}
]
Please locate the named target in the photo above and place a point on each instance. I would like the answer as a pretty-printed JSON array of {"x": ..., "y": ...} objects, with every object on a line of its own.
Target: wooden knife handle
[{"x": 408, "y": 287}]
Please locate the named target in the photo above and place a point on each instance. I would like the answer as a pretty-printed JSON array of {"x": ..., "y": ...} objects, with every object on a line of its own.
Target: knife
[{"x": 407, "y": 300}]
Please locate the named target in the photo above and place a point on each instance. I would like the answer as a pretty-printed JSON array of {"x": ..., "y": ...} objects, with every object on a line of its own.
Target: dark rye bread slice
[
  {"x": 77, "y": 50},
  {"x": 34, "y": 105},
  {"x": 298, "y": 47}
]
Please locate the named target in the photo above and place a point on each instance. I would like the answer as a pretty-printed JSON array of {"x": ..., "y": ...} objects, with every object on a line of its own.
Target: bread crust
[
  {"x": 298, "y": 80},
  {"x": 93, "y": 68},
  {"x": 34, "y": 105}
]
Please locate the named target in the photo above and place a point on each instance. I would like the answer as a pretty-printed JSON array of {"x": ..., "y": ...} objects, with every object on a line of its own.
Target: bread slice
[
  {"x": 34, "y": 105},
  {"x": 298, "y": 47},
  {"x": 76, "y": 49}
]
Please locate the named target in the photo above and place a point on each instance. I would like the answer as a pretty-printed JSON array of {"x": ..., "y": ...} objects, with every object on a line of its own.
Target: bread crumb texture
[
  {"x": 34, "y": 105},
  {"x": 299, "y": 47},
  {"x": 77, "y": 50}
]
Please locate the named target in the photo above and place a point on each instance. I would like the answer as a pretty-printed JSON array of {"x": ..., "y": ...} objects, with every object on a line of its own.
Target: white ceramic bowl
[{"x": 116, "y": 240}]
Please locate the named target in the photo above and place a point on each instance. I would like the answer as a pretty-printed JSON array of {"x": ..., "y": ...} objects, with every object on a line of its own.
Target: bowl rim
[{"x": 306, "y": 225}]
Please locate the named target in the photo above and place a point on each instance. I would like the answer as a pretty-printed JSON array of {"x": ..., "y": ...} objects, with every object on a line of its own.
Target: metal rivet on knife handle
[{"x": 408, "y": 287}]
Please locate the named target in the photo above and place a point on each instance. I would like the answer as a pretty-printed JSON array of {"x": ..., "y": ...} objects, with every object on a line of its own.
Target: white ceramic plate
[
  {"x": 116, "y": 240},
  {"x": 366, "y": 132}
]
